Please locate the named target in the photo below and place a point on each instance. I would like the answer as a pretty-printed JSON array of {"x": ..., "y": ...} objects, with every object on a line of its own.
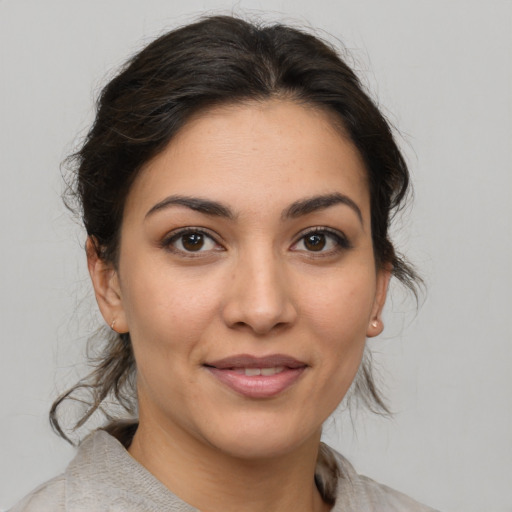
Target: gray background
[{"x": 442, "y": 71}]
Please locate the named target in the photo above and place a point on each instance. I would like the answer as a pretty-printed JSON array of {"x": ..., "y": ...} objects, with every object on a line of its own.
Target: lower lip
[{"x": 258, "y": 386}]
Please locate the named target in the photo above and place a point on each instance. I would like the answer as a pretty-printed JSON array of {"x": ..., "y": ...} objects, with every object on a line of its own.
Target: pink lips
[{"x": 257, "y": 377}]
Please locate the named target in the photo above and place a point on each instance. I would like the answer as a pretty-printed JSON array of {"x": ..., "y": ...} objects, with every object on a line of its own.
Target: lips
[
  {"x": 257, "y": 377},
  {"x": 247, "y": 361}
]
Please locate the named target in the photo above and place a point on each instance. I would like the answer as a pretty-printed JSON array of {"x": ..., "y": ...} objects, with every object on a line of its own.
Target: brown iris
[
  {"x": 315, "y": 242},
  {"x": 193, "y": 241}
]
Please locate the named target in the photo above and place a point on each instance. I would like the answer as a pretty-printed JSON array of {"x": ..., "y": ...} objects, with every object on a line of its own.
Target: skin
[{"x": 255, "y": 287}]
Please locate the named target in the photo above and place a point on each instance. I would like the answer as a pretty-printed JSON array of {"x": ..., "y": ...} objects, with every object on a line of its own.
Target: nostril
[{"x": 260, "y": 329}]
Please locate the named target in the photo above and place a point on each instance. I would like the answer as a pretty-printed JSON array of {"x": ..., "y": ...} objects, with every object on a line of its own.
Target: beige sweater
[{"x": 103, "y": 477}]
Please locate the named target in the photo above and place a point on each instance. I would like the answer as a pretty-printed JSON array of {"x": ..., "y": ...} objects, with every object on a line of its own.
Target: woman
[{"x": 236, "y": 189}]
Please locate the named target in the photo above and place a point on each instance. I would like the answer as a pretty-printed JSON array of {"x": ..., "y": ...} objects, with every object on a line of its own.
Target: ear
[
  {"x": 106, "y": 288},
  {"x": 375, "y": 325}
]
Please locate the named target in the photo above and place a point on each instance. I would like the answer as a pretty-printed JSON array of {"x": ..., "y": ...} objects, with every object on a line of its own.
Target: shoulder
[
  {"x": 102, "y": 477},
  {"x": 49, "y": 497},
  {"x": 356, "y": 492},
  {"x": 385, "y": 499},
  {"x": 76, "y": 485}
]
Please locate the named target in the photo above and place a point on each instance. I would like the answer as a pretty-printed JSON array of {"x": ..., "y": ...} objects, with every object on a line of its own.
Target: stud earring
[
  {"x": 375, "y": 323},
  {"x": 112, "y": 325}
]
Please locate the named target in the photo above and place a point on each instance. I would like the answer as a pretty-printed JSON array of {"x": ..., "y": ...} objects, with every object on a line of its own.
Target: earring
[
  {"x": 112, "y": 325},
  {"x": 375, "y": 323}
]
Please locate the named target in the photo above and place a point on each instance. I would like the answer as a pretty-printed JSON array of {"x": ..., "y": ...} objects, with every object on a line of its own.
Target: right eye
[{"x": 191, "y": 241}]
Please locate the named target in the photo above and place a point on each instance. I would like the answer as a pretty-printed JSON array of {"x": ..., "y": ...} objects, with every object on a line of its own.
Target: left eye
[
  {"x": 320, "y": 241},
  {"x": 191, "y": 241}
]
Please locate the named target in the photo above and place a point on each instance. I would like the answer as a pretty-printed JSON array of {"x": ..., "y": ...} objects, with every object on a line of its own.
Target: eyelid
[
  {"x": 169, "y": 238},
  {"x": 341, "y": 240}
]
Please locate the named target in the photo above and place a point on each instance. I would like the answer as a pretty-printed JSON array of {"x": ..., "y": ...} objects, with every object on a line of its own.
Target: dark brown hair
[{"x": 215, "y": 61}]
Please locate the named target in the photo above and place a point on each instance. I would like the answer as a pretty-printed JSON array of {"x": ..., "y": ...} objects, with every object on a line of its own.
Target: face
[{"x": 246, "y": 278}]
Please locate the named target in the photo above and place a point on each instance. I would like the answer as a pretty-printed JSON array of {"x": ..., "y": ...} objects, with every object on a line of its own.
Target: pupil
[
  {"x": 193, "y": 241},
  {"x": 315, "y": 242}
]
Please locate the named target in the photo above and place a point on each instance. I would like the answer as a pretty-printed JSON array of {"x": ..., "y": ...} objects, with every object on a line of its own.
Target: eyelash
[
  {"x": 340, "y": 240},
  {"x": 173, "y": 237}
]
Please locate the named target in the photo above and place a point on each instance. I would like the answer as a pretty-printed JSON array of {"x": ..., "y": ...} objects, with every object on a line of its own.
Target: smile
[{"x": 256, "y": 377}]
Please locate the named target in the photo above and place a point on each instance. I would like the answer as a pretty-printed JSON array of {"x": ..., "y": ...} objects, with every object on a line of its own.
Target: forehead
[{"x": 254, "y": 155}]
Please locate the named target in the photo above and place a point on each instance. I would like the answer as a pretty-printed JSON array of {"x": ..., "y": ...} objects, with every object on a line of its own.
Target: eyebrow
[
  {"x": 315, "y": 203},
  {"x": 296, "y": 209},
  {"x": 194, "y": 203}
]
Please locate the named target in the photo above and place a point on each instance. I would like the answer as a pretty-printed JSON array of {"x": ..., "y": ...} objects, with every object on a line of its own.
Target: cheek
[
  {"x": 168, "y": 312},
  {"x": 342, "y": 305},
  {"x": 169, "y": 320},
  {"x": 338, "y": 315}
]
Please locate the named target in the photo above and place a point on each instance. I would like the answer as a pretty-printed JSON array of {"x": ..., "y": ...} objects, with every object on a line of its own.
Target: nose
[{"x": 259, "y": 297}]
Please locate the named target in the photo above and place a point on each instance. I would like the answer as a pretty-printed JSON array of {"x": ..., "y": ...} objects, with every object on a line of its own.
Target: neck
[{"x": 211, "y": 480}]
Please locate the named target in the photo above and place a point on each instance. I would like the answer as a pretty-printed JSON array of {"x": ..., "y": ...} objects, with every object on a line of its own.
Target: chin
[
  {"x": 254, "y": 440},
  {"x": 257, "y": 448}
]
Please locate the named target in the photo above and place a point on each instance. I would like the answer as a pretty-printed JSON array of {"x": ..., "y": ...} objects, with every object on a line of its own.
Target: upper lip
[{"x": 248, "y": 361}]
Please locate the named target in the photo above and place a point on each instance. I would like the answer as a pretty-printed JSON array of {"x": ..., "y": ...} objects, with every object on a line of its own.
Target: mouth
[{"x": 257, "y": 377}]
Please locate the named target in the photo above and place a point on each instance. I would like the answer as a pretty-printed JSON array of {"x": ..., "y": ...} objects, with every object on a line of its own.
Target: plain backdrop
[{"x": 442, "y": 72}]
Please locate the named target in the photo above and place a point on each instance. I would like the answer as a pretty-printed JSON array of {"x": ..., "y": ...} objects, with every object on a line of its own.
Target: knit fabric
[{"x": 103, "y": 477}]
